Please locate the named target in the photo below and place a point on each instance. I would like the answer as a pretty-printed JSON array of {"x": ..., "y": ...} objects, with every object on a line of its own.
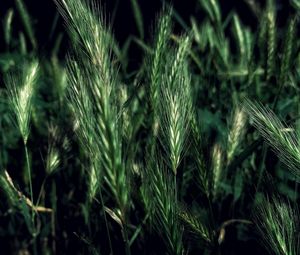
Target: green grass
[{"x": 185, "y": 153}]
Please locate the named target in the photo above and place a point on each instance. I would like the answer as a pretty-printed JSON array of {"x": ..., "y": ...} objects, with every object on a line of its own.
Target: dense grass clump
[{"x": 183, "y": 140}]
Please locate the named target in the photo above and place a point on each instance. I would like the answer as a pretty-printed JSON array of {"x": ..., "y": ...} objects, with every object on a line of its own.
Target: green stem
[
  {"x": 53, "y": 205},
  {"x": 211, "y": 212},
  {"x": 175, "y": 187},
  {"x": 262, "y": 167},
  {"x": 126, "y": 240},
  {"x": 106, "y": 223},
  {"x": 40, "y": 193},
  {"x": 30, "y": 179}
]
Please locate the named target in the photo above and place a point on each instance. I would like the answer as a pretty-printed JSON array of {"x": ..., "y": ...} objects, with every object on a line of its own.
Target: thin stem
[
  {"x": 126, "y": 240},
  {"x": 106, "y": 223},
  {"x": 124, "y": 229},
  {"x": 40, "y": 193},
  {"x": 29, "y": 177},
  {"x": 53, "y": 232},
  {"x": 175, "y": 187},
  {"x": 53, "y": 205},
  {"x": 234, "y": 221},
  {"x": 262, "y": 167},
  {"x": 212, "y": 216}
]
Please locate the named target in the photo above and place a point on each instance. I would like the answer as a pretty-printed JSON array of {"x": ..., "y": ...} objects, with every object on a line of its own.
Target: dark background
[{"x": 120, "y": 15}]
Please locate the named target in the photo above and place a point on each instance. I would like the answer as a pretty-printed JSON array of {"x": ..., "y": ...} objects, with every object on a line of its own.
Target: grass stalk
[
  {"x": 106, "y": 222},
  {"x": 28, "y": 171},
  {"x": 126, "y": 240}
]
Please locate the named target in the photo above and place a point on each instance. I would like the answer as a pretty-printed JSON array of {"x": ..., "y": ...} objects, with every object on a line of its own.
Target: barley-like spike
[
  {"x": 279, "y": 234},
  {"x": 175, "y": 101},
  {"x": 165, "y": 214},
  {"x": 197, "y": 227},
  {"x": 157, "y": 61},
  {"x": 236, "y": 133},
  {"x": 217, "y": 169},
  {"x": 285, "y": 144},
  {"x": 202, "y": 170},
  {"x": 92, "y": 93},
  {"x": 21, "y": 89},
  {"x": 53, "y": 157}
]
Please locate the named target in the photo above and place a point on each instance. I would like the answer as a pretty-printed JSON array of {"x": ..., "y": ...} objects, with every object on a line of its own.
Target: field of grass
[{"x": 182, "y": 139}]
